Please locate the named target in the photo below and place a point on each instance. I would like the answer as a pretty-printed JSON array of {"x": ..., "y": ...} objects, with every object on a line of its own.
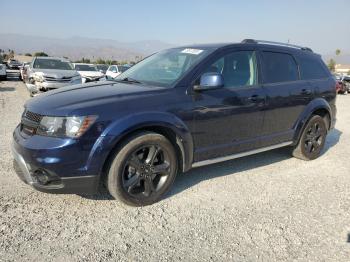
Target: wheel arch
[
  {"x": 167, "y": 125},
  {"x": 319, "y": 107}
]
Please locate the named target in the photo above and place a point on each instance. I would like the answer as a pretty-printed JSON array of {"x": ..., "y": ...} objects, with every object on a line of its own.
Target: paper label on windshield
[{"x": 192, "y": 51}]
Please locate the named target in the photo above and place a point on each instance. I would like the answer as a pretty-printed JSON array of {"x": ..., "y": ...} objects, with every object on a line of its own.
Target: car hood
[
  {"x": 57, "y": 73},
  {"x": 87, "y": 98},
  {"x": 90, "y": 73}
]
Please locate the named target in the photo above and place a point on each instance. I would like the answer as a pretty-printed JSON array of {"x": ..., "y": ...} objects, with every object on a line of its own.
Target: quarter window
[
  {"x": 279, "y": 67},
  {"x": 310, "y": 68},
  {"x": 237, "y": 68}
]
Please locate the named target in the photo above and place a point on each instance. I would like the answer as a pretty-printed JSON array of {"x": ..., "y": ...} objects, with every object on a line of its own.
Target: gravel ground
[{"x": 265, "y": 207}]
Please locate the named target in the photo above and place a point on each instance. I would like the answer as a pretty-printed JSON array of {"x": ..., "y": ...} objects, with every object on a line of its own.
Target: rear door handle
[
  {"x": 255, "y": 98},
  {"x": 306, "y": 91}
]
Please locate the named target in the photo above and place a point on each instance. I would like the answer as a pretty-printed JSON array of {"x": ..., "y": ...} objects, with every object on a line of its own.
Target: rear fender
[{"x": 314, "y": 105}]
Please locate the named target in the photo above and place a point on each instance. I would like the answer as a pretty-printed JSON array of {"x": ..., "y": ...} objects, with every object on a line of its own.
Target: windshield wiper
[{"x": 129, "y": 80}]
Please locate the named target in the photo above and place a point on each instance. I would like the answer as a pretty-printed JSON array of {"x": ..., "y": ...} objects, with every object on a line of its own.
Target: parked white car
[
  {"x": 3, "y": 75},
  {"x": 88, "y": 72},
  {"x": 46, "y": 73},
  {"x": 115, "y": 70}
]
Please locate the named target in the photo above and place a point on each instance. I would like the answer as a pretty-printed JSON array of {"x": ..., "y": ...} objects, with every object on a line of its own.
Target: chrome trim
[
  {"x": 238, "y": 155},
  {"x": 23, "y": 166}
]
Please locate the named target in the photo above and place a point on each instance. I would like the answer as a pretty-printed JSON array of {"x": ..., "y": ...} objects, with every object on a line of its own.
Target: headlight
[{"x": 73, "y": 126}]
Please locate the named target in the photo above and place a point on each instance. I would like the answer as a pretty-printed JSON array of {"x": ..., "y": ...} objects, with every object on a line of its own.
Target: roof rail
[{"x": 253, "y": 41}]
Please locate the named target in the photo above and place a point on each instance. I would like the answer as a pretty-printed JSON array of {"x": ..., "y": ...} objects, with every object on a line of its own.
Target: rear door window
[
  {"x": 311, "y": 68},
  {"x": 279, "y": 67}
]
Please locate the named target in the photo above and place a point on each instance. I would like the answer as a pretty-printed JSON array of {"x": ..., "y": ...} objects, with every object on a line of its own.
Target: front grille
[
  {"x": 33, "y": 116},
  {"x": 30, "y": 122},
  {"x": 57, "y": 80}
]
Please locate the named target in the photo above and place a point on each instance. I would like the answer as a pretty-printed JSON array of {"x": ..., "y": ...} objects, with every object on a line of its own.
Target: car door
[
  {"x": 228, "y": 120},
  {"x": 286, "y": 96}
]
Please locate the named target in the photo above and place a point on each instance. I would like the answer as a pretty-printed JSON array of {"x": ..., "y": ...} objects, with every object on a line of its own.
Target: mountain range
[
  {"x": 78, "y": 47},
  {"x": 93, "y": 48}
]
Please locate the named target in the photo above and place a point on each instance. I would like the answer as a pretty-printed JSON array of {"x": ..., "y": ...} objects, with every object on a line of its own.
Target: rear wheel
[
  {"x": 143, "y": 170},
  {"x": 312, "y": 139}
]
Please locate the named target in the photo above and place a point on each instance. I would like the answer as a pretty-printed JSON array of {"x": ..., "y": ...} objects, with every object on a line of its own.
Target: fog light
[{"x": 41, "y": 177}]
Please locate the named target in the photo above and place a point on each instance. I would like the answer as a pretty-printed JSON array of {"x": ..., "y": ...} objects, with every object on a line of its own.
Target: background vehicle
[
  {"x": 3, "y": 75},
  {"x": 13, "y": 64},
  {"x": 346, "y": 83},
  {"x": 102, "y": 68},
  {"x": 88, "y": 72},
  {"x": 343, "y": 84},
  {"x": 178, "y": 109},
  {"x": 340, "y": 87},
  {"x": 115, "y": 70},
  {"x": 47, "y": 73}
]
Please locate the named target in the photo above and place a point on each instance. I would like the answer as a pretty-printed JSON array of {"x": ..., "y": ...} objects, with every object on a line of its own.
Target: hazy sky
[{"x": 322, "y": 25}]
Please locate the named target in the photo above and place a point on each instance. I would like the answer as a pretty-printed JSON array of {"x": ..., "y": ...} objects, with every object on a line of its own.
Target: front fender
[
  {"x": 316, "y": 104},
  {"x": 120, "y": 128}
]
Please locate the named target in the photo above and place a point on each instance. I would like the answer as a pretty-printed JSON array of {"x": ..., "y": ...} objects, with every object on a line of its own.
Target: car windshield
[
  {"x": 102, "y": 67},
  {"x": 164, "y": 68},
  {"x": 122, "y": 68},
  {"x": 52, "y": 64},
  {"x": 85, "y": 67}
]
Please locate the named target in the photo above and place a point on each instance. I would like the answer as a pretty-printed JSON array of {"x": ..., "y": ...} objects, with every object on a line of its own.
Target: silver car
[{"x": 46, "y": 73}]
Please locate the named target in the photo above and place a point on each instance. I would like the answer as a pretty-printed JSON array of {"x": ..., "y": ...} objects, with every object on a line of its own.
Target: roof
[{"x": 252, "y": 42}]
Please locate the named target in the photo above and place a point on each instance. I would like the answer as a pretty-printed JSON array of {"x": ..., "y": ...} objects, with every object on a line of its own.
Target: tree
[
  {"x": 100, "y": 61},
  {"x": 337, "y": 52},
  {"x": 331, "y": 64},
  {"x": 11, "y": 54},
  {"x": 83, "y": 60},
  {"x": 40, "y": 54},
  {"x": 28, "y": 54}
]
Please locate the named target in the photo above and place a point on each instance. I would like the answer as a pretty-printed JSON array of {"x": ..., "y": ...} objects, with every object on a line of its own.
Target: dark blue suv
[{"x": 177, "y": 109}]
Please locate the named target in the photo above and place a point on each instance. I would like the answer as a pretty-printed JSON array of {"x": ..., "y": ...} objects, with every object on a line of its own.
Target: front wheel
[
  {"x": 312, "y": 139},
  {"x": 143, "y": 170}
]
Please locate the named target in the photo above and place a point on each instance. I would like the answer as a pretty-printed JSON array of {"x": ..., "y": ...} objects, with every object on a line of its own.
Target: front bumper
[
  {"x": 68, "y": 176},
  {"x": 51, "y": 85}
]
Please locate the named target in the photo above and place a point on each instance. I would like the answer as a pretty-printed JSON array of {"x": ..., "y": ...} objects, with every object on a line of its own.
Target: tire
[
  {"x": 143, "y": 170},
  {"x": 312, "y": 140}
]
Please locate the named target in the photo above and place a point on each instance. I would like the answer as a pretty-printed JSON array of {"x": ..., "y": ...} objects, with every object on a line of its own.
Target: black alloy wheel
[
  {"x": 143, "y": 169},
  {"x": 146, "y": 171},
  {"x": 312, "y": 139}
]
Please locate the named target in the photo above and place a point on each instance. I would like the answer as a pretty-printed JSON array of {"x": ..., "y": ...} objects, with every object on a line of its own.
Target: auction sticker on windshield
[{"x": 192, "y": 51}]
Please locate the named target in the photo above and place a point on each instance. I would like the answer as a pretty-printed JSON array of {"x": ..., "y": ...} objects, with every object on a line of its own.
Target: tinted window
[
  {"x": 238, "y": 68},
  {"x": 279, "y": 67},
  {"x": 311, "y": 68}
]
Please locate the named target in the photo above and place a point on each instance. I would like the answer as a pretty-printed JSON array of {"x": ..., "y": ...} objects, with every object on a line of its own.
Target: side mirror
[{"x": 210, "y": 81}]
